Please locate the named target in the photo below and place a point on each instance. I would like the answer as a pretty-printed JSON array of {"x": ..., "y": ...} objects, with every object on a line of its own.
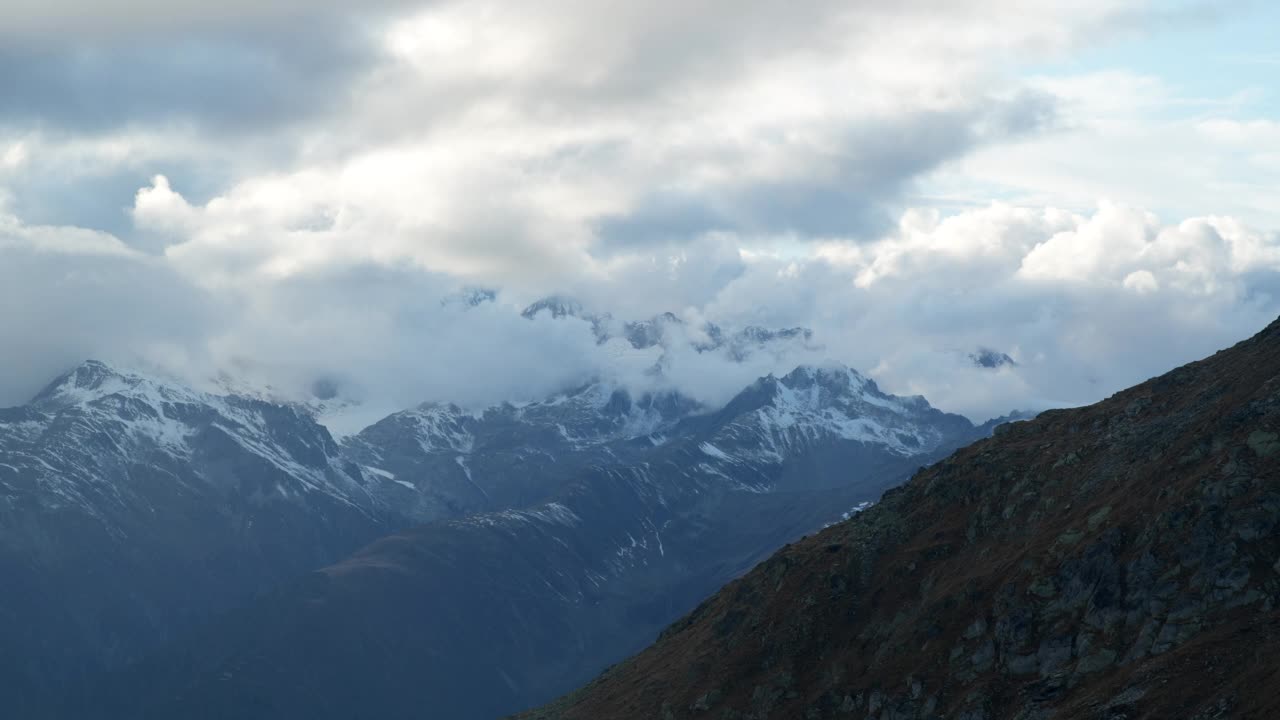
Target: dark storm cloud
[
  {"x": 136, "y": 19},
  {"x": 851, "y": 192},
  {"x": 247, "y": 81}
]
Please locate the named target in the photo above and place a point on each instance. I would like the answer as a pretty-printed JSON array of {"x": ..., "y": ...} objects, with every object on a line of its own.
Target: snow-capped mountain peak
[
  {"x": 93, "y": 380},
  {"x": 95, "y": 423},
  {"x": 833, "y": 378},
  {"x": 558, "y": 306},
  {"x": 814, "y": 404},
  {"x": 442, "y": 426}
]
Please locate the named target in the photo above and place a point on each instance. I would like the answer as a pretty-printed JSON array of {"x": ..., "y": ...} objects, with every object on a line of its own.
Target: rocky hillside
[{"x": 1113, "y": 561}]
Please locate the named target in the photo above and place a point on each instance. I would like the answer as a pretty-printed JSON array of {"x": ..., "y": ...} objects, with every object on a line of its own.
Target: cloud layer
[
  {"x": 288, "y": 194},
  {"x": 1085, "y": 305}
]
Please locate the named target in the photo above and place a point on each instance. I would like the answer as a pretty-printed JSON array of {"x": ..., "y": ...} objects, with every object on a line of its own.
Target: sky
[{"x": 288, "y": 192}]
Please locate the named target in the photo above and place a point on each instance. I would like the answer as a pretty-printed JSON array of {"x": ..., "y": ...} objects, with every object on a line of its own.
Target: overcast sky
[{"x": 288, "y": 194}]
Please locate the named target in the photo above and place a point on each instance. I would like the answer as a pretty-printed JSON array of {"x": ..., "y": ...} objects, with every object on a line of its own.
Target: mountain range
[{"x": 177, "y": 553}]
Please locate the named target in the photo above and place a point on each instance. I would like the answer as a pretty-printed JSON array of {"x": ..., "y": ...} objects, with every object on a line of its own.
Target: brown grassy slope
[{"x": 1113, "y": 561}]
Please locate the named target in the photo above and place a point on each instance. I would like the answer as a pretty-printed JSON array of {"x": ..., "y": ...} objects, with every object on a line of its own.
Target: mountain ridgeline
[
  {"x": 488, "y": 613},
  {"x": 1117, "y": 561},
  {"x": 162, "y": 544}
]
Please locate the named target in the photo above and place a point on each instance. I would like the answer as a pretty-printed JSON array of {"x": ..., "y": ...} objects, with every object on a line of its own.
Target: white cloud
[
  {"x": 1139, "y": 140},
  {"x": 748, "y": 163},
  {"x": 1087, "y": 304},
  {"x": 14, "y": 156},
  {"x": 526, "y": 145},
  {"x": 1130, "y": 297},
  {"x": 70, "y": 293},
  {"x": 17, "y": 236},
  {"x": 1141, "y": 281},
  {"x": 1113, "y": 236}
]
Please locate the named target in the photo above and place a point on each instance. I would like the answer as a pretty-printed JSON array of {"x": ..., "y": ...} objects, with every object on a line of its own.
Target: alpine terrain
[
  {"x": 548, "y": 538},
  {"x": 491, "y": 612},
  {"x": 1113, "y": 561},
  {"x": 428, "y": 359}
]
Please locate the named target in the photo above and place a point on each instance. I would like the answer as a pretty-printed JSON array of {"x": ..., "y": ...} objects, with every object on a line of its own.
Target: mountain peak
[
  {"x": 95, "y": 379},
  {"x": 836, "y": 377},
  {"x": 836, "y": 401},
  {"x": 744, "y": 343},
  {"x": 558, "y": 306},
  {"x": 648, "y": 333},
  {"x": 469, "y": 297},
  {"x": 991, "y": 359},
  {"x": 89, "y": 379}
]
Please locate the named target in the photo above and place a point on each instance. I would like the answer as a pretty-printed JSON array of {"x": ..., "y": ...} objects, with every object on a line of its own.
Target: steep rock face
[
  {"x": 1114, "y": 561},
  {"x": 474, "y": 617},
  {"x": 131, "y": 508}
]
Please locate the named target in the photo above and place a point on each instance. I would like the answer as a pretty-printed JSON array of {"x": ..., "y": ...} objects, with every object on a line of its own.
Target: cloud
[
  {"x": 508, "y": 145},
  {"x": 1141, "y": 281},
  {"x": 239, "y": 84},
  {"x": 1112, "y": 136},
  {"x": 727, "y": 115},
  {"x": 848, "y": 186},
  {"x": 70, "y": 294},
  {"x": 287, "y": 191},
  {"x": 123, "y": 19},
  {"x": 1085, "y": 304},
  {"x": 909, "y": 308}
]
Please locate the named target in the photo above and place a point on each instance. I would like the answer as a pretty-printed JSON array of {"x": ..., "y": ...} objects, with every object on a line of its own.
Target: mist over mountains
[
  {"x": 724, "y": 360},
  {"x": 560, "y": 343}
]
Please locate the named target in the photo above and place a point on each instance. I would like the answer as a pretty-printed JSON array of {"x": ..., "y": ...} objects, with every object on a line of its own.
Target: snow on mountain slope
[
  {"x": 448, "y": 462},
  {"x": 88, "y": 427},
  {"x": 812, "y": 403},
  {"x": 813, "y": 430},
  {"x": 797, "y": 429},
  {"x": 438, "y": 460}
]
